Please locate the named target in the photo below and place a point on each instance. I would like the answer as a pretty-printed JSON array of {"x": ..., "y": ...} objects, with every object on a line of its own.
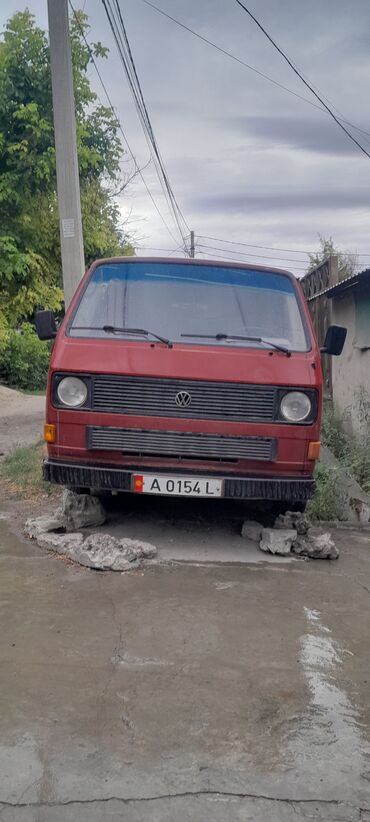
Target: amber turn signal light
[
  {"x": 314, "y": 450},
  {"x": 49, "y": 433}
]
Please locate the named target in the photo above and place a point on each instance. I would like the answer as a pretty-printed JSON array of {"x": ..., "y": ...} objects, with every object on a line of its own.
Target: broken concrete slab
[
  {"x": 278, "y": 541},
  {"x": 77, "y": 511},
  {"x": 252, "y": 530},
  {"x": 99, "y": 551},
  {"x": 318, "y": 546},
  {"x": 66, "y": 544},
  {"x": 34, "y": 527},
  {"x": 293, "y": 519},
  {"x": 105, "y": 552},
  {"x": 81, "y": 511}
]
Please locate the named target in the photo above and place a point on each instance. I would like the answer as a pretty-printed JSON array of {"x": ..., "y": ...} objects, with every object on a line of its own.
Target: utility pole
[
  {"x": 192, "y": 244},
  {"x": 68, "y": 183}
]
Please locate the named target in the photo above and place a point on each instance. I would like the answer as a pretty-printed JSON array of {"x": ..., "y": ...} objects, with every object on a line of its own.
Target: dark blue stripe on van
[{"x": 216, "y": 275}]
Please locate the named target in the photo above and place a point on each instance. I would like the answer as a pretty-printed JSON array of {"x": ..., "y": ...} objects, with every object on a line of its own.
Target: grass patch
[
  {"x": 323, "y": 506},
  {"x": 21, "y": 474},
  {"x": 351, "y": 451}
]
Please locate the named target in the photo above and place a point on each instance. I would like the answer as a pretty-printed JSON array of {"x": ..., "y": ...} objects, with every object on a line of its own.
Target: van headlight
[
  {"x": 295, "y": 406},
  {"x": 72, "y": 392}
]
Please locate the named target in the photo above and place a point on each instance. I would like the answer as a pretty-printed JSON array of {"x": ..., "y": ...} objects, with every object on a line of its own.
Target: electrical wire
[
  {"x": 119, "y": 32},
  {"x": 252, "y": 245},
  {"x": 111, "y": 106},
  {"x": 250, "y": 254},
  {"x": 306, "y": 83},
  {"x": 153, "y": 248},
  {"x": 269, "y": 247},
  {"x": 246, "y": 65},
  {"x": 130, "y": 75},
  {"x": 244, "y": 262}
]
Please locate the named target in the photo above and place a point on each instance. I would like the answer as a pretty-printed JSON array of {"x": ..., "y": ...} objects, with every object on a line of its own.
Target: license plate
[{"x": 177, "y": 486}]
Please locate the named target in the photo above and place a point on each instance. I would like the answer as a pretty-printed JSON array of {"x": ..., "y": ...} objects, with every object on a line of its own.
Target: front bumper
[{"x": 108, "y": 478}]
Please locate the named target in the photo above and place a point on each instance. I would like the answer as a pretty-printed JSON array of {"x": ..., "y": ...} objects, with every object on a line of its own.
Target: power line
[
  {"x": 153, "y": 248},
  {"x": 252, "y": 245},
  {"x": 147, "y": 119},
  {"x": 272, "y": 248},
  {"x": 243, "y": 262},
  {"x": 308, "y": 85},
  {"x": 244, "y": 64},
  {"x": 137, "y": 167},
  {"x": 118, "y": 29},
  {"x": 123, "y": 50},
  {"x": 250, "y": 254}
]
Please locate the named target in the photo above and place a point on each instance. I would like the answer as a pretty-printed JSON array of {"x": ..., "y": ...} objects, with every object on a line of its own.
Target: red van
[{"x": 185, "y": 378}]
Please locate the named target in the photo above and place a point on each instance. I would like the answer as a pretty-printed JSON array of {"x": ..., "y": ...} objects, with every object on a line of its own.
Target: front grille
[
  {"x": 180, "y": 445},
  {"x": 139, "y": 396}
]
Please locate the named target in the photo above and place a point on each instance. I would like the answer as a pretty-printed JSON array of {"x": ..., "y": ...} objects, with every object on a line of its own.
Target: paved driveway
[{"x": 182, "y": 692}]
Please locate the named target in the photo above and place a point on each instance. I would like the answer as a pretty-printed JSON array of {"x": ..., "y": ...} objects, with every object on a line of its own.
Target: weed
[
  {"x": 324, "y": 504},
  {"x": 352, "y": 451},
  {"x": 21, "y": 471}
]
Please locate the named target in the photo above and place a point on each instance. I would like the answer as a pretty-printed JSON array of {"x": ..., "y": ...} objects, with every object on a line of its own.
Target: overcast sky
[{"x": 248, "y": 161}]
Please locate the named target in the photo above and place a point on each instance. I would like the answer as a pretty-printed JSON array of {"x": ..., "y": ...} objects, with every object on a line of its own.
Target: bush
[
  {"x": 24, "y": 359},
  {"x": 323, "y": 506},
  {"x": 352, "y": 452}
]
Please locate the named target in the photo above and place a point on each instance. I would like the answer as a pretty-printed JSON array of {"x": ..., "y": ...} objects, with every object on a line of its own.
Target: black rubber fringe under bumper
[{"x": 115, "y": 479}]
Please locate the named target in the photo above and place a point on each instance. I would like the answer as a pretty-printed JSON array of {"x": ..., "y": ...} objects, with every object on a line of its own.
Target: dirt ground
[
  {"x": 230, "y": 690},
  {"x": 21, "y": 418},
  {"x": 211, "y": 685}
]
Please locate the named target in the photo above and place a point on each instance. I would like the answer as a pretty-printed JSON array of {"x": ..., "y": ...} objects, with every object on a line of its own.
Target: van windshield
[{"x": 177, "y": 301}]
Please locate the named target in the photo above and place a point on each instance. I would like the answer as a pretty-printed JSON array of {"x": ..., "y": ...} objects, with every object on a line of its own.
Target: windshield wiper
[
  {"x": 114, "y": 329},
  {"x": 242, "y": 339}
]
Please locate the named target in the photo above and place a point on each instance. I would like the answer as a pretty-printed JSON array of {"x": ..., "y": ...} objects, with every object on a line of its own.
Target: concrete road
[{"x": 223, "y": 692}]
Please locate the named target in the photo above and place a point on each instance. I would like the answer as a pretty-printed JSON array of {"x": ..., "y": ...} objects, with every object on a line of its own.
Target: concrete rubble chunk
[
  {"x": 108, "y": 553},
  {"x": 43, "y": 525},
  {"x": 252, "y": 530},
  {"x": 77, "y": 511},
  {"x": 319, "y": 546},
  {"x": 66, "y": 544},
  {"x": 278, "y": 541},
  {"x": 81, "y": 511},
  {"x": 99, "y": 551},
  {"x": 293, "y": 519}
]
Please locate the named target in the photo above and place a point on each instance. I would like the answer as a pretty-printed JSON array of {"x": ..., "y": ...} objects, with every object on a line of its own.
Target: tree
[
  {"x": 347, "y": 261},
  {"x": 30, "y": 267}
]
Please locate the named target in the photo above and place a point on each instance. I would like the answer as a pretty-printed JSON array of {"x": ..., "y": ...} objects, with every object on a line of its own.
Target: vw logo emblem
[{"x": 183, "y": 399}]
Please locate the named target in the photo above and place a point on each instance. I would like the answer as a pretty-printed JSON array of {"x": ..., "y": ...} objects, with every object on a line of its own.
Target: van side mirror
[
  {"x": 46, "y": 327},
  {"x": 334, "y": 340}
]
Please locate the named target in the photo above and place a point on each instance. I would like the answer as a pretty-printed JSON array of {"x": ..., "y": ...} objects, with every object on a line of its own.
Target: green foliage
[
  {"x": 352, "y": 451},
  {"x": 30, "y": 269},
  {"x": 21, "y": 472},
  {"x": 323, "y": 505},
  {"x": 24, "y": 360},
  {"x": 347, "y": 261}
]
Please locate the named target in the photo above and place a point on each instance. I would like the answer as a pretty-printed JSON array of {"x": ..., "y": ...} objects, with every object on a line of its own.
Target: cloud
[
  {"x": 317, "y": 134},
  {"x": 271, "y": 201},
  {"x": 247, "y": 160}
]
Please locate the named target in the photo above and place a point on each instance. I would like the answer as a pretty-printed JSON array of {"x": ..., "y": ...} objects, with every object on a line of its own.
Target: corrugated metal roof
[{"x": 347, "y": 284}]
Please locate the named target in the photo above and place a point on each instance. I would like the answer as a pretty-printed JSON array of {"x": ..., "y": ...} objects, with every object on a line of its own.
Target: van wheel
[
  {"x": 103, "y": 496},
  {"x": 283, "y": 507},
  {"x": 77, "y": 489}
]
